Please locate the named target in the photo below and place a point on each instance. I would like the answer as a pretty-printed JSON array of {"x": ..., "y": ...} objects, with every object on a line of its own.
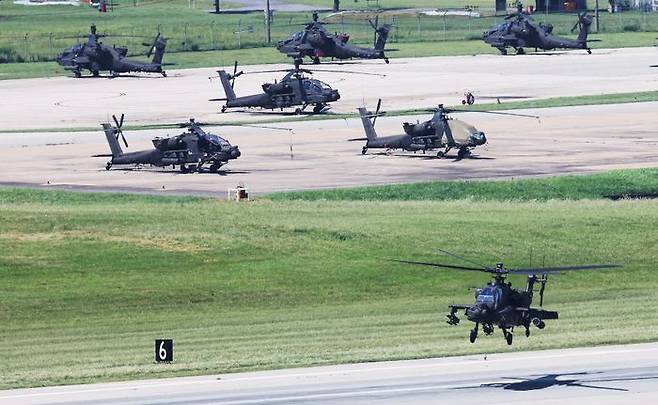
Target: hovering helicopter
[
  {"x": 190, "y": 150},
  {"x": 427, "y": 135},
  {"x": 498, "y": 304},
  {"x": 315, "y": 42},
  {"x": 521, "y": 31},
  {"x": 96, "y": 57},
  {"x": 295, "y": 89}
]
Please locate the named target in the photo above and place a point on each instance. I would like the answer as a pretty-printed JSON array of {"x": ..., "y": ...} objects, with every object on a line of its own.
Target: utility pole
[
  {"x": 336, "y": 6},
  {"x": 216, "y": 6},
  {"x": 268, "y": 29},
  {"x": 596, "y": 15}
]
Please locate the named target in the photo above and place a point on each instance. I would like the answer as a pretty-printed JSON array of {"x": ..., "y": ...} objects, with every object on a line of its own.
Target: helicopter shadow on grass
[
  {"x": 582, "y": 380},
  {"x": 310, "y": 113}
]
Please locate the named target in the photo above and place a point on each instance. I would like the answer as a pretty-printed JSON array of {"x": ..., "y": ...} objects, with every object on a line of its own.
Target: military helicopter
[
  {"x": 315, "y": 42},
  {"x": 427, "y": 135},
  {"x": 96, "y": 57},
  {"x": 295, "y": 89},
  {"x": 498, "y": 304},
  {"x": 521, "y": 31},
  {"x": 190, "y": 150}
]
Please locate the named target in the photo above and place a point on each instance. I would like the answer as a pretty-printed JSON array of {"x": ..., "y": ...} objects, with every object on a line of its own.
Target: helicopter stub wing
[
  {"x": 539, "y": 313},
  {"x": 459, "y": 306}
]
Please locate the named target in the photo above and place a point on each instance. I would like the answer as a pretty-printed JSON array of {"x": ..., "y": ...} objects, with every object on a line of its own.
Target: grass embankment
[
  {"x": 612, "y": 185},
  {"x": 90, "y": 280}
]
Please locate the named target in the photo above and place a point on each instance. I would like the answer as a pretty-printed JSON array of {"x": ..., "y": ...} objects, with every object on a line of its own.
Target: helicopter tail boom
[{"x": 111, "y": 135}]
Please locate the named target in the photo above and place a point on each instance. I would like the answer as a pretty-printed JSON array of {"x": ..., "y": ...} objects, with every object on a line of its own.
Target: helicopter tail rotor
[
  {"x": 235, "y": 73},
  {"x": 379, "y": 105},
  {"x": 152, "y": 45},
  {"x": 119, "y": 131}
]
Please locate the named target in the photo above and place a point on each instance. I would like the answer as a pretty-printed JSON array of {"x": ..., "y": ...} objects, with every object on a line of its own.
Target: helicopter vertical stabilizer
[
  {"x": 382, "y": 37},
  {"x": 371, "y": 134},
  {"x": 226, "y": 83},
  {"x": 585, "y": 22},
  {"x": 111, "y": 135},
  {"x": 159, "y": 45}
]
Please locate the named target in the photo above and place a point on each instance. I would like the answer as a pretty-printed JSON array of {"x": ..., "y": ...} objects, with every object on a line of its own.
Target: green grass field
[{"x": 90, "y": 280}]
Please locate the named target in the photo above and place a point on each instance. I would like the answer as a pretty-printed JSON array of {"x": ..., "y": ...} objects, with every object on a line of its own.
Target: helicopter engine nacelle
[
  {"x": 169, "y": 143},
  {"x": 421, "y": 129},
  {"x": 276, "y": 88}
]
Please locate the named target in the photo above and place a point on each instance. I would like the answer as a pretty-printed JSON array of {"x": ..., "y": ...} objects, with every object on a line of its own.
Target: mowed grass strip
[
  {"x": 615, "y": 184},
  {"x": 90, "y": 280}
]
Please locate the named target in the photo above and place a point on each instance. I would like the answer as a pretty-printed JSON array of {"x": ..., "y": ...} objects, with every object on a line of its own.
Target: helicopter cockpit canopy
[{"x": 489, "y": 297}]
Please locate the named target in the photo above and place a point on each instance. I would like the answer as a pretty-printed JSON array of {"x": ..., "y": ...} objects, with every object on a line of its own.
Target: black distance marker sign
[{"x": 164, "y": 350}]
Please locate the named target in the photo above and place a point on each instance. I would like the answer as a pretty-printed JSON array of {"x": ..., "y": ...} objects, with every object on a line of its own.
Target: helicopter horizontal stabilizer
[
  {"x": 357, "y": 139},
  {"x": 217, "y": 99},
  {"x": 104, "y": 155}
]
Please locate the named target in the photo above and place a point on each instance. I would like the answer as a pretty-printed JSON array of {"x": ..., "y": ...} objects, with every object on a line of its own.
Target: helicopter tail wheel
[
  {"x": 163, "y": 73},
  {"x": 589, "y": 51},
  {"x": 387, "y": 61},
  {"x": 223, "y": 108},
  {"x": 364, "y": 150},
  {"x": 108, "y": 165}
]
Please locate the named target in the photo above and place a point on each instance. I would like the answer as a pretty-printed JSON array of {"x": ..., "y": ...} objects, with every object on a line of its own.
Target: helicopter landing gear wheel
[
  {"x": 508, "y": 337},
  {"x": 474, "y": 334},
  {"x": 95, "y": 73},
  {"x": 77, "y": 74},
  {"x": 214, "y": 168},
  {"x": 463, "y": 152},
  {"x": 316, "y": 60},
  {"x": 108, "y": 165},
  {"x": 520, "y": 51},
  {"x": 502, "y": 51},
  {"x": 318, "y": 108},
  {"x": 163, "y": 73},
  {"x": 364, "y": 150},
  {"x": 184, "y": 169},
  {"x": 440, "y": 154},
  {"x": 298, "y": 111}
]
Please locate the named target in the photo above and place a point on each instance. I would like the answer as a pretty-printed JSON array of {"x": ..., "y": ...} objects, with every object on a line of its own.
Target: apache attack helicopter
[
  {"x": 96, "y": 57},
  {"x": 295, "y": 89},
  {"x": 498, "y": 304},
  {"x": 521, "y": 30},
  {"x": 427, "y": 135},
  {"x": 315, "y": 42},
  {"x": 190, "y": 150}
]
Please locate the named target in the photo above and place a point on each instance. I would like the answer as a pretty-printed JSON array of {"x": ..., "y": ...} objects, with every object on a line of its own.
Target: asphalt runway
[
  {"x": 65, "y": 102},
  {"x": 602, "y": 375},
  {"x": 565, "y": 140}
]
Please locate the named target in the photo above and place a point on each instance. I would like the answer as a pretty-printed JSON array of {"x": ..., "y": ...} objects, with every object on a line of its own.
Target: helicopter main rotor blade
[
  {"x": 461, "y": 258},
  {"x": 556, "y": 270},
  {"x": 451, "y": 110},
  {"x": 447, "y": 266},
  {"x": 350, "y": 71},
  {"x": 379, "y": 105}
]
